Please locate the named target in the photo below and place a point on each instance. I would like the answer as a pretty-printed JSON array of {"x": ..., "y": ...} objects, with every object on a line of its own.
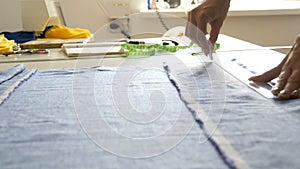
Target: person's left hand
[{"x": 288, "y": 71}]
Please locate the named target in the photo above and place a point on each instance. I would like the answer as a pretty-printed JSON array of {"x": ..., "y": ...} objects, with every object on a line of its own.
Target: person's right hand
[{"x": 211, "y": 12}]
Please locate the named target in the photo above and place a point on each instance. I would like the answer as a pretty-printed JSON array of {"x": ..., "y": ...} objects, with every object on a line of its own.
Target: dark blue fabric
[
  {"x": 20, "y": 36},
  {"x": 24, "y": 36}
]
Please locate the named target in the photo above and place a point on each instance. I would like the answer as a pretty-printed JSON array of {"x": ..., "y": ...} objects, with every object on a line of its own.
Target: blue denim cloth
[
  {"x": 40, "y": 122},
  {"x": 11, "y": 73},
  {"x": 265, "y": 132},
  {"x": 44, "y": 122}
]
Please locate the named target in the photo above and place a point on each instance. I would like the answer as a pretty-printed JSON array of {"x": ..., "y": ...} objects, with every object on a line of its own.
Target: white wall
[
  {"x": 10, "y": 15},
  {"x": 263, "y": 30},
  {"x": 83, "y": 14},
  {"x": 278, "y": 30},
  {"x": 94, "y": 14},
  {"x": 15, "y": 15}
]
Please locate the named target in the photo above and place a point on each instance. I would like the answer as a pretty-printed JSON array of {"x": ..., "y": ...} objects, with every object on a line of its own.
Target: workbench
[{"x": 172, "y": 110}]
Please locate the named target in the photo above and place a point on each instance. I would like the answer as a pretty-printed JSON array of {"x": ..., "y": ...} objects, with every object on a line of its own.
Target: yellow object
[
  {"x": 6, "y": 45},
  {"x": 63, "y": 32}
]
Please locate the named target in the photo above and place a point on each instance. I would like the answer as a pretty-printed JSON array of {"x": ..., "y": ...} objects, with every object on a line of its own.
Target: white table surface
[{"x": 57, "y": 59}]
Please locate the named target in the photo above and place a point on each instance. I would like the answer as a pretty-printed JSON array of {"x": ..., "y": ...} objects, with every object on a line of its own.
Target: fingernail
[
  {"x": 283, "y": 95},
  {"x": 250, "y": 79},
  {"x": 296, "y": 93},
  {"x": 275, "y": 91}
]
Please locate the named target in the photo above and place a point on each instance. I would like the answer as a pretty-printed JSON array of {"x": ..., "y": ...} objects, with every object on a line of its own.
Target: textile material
[
  {"x": 264, "y": 132},
  {"x": 5, "y": 44},
  {"x": 42, "y": 123},
  {"x": 63, "y": 32},
  {"x": 20, "y": 36},
  {"x": 54, "y": 120},
  {"x": 9, "y": 74}
]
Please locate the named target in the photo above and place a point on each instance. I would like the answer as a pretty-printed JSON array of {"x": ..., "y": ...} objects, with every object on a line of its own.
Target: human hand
[
  {"x": 288, "y": 71},
  {"x": 211, "y": 12}
]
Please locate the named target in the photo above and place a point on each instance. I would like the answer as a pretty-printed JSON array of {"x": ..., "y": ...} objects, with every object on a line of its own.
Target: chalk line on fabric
[{"x": 224, "y": 149}]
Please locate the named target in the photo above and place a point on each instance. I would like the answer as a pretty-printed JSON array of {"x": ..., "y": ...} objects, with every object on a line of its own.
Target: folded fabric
[
  {"x": 20, "y": 36},
  {"x": 10, "y": 73},
  {"x": 5, "y": 44},
  {"x": 63, "y": 32}
]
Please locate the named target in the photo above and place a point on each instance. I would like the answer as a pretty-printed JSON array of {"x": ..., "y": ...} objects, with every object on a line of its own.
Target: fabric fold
[{"x": 10, "y": 73}]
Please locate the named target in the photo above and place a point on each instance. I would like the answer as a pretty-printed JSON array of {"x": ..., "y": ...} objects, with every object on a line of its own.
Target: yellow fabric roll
[
  {"x": 63, "y": 32},
  {"x": 6, "y": 45}
]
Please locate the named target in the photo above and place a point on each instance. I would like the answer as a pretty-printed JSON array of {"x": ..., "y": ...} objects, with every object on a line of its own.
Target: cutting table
[{"x": 172, "y": 110}]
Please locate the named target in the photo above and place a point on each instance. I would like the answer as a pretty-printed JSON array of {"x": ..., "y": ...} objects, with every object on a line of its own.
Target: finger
[
  {"x": 195, "y": 33},
  {"x": 215, "y": 30},
  {"x": 191, "y": 24},
  {"x": 199, "y": 17},
  {"x": 188, "y": 29},
  {"x": 202, "y": 21},
  {"x": 296, "y": 94},
  {"x": 283, "y": 78},
  {"x": 191, "y": 32},
  {"x": 190, "y": 15},
  {"x": 292, "y": 84},
  {"x": 267, "y": 76},
  {"x": 287, "y": 92},
  {"x": 202, "y": 41},
  {"x": 202, "y": 30}
]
